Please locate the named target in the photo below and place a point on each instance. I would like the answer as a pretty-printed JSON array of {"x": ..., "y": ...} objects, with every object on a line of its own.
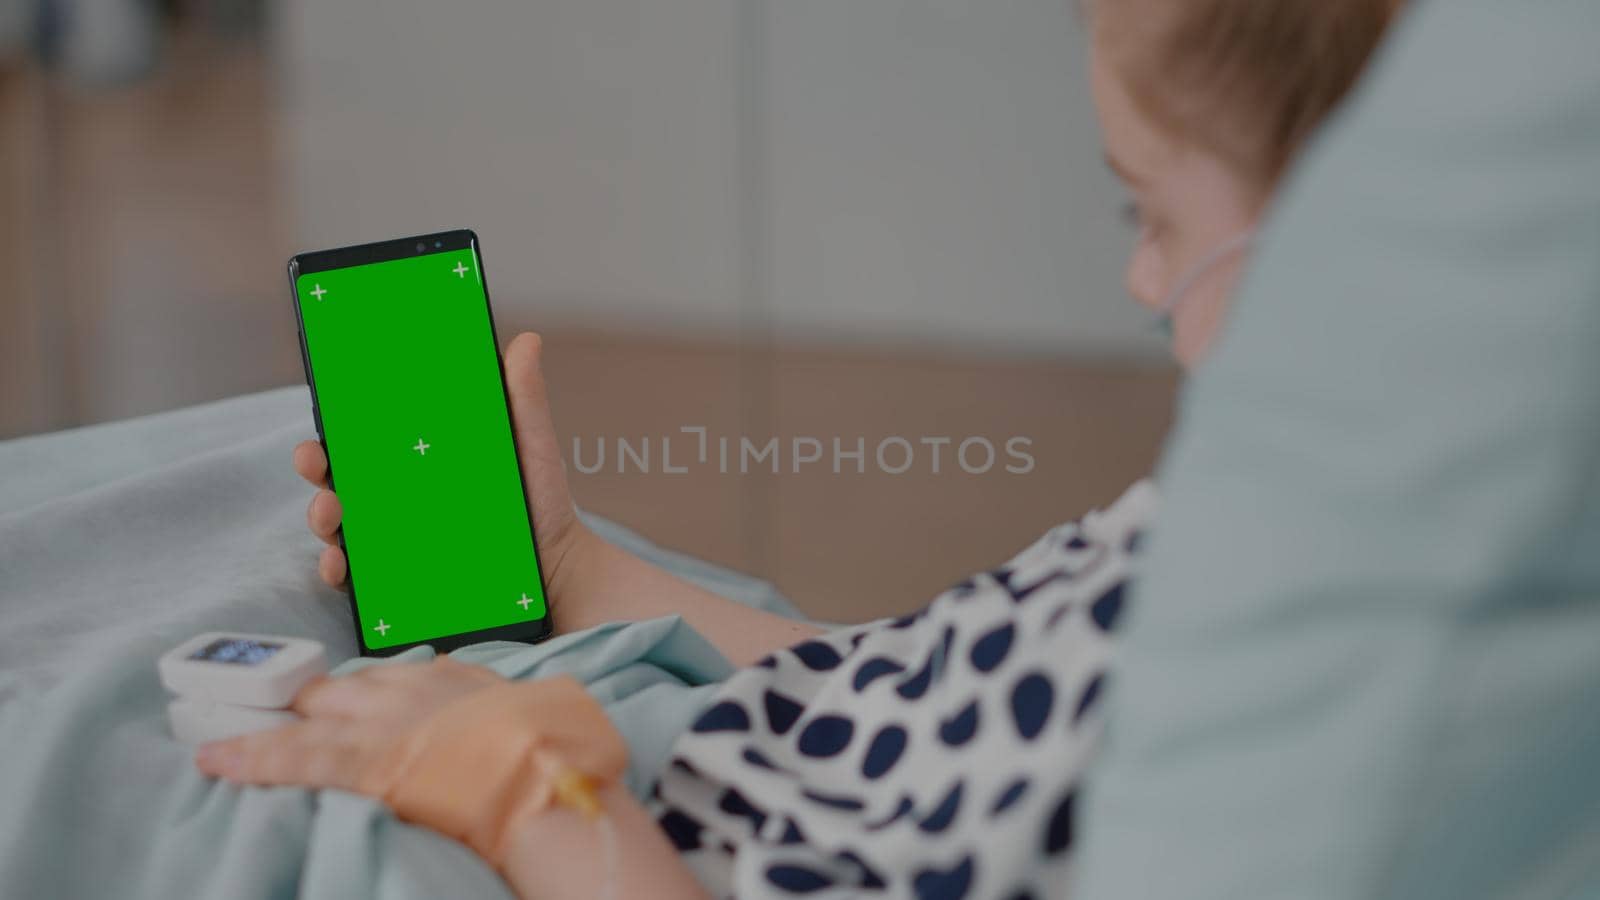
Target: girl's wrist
[
  {"x": 571, "y": 577},
  {"x": 561, "y": 853}
]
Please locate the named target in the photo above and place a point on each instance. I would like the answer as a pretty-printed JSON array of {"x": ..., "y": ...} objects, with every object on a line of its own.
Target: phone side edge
[{"x": 322, "y": 438}]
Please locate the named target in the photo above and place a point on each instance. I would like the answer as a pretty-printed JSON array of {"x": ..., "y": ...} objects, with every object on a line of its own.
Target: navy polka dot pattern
[
  {"x": 1091, "y": 693},
  {"x": 782, "y": 712},
  {"x": 817, "y": 656},
  {"x": 1108, "y": 608},
  {"x": 918, "y": 684},
  {"x": 901, "y": 810},
  {"x": 1022, "y": 590},
  {"x": 934, "y": 756},
  {"x": 869, "y": 876},
  {"x": 683, "y": 831},
  {"x": 758, "y": 759},
  {"x": 1058, "y": 832},
  {"x": 798, "y": 879},
  {"x": 791, "y": 833},
  {"x": 945, "y": 644},
  {"x": 884, "y": 752},
  {"x": 1030, "y": 704},
  {"x": 834, "y": 801},
  {"x": 826, "y": 736},
  {"x": 735, "y": 804},
  {"x": 948, "y": 884},
  {"x": 990, "y": 650},
  {"x": 945, "y": 812},
  {"x": 960, "y": 728},
  {"x": 1009, "y": 796},
  {"x": 725, "y": 716},
  {"x": 873, "y": 669}
]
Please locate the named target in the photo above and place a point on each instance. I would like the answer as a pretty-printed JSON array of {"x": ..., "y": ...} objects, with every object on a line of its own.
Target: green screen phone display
[{"x": 408, "y": 386}]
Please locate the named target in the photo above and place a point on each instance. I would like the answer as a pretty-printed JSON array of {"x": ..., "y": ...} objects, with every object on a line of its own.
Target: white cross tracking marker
[
  {"x": 461, "y": 270},
  {"x": 318, "y": 291},
  {"x": 421, "y": 448},
  {"x": 525, "y": 601},
  {"x": 382, "y": 628}
]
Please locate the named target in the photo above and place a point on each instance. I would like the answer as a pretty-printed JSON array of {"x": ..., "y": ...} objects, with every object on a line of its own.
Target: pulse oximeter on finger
[{"x": 229, "y": 684}]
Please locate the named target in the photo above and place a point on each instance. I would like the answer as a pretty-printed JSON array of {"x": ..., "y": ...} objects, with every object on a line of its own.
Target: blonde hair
[{"x": 1247, "y": 79}]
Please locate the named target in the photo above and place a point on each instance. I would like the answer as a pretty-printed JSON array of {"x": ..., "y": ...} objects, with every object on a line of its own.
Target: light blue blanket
[{"x": 118, "y": 541}]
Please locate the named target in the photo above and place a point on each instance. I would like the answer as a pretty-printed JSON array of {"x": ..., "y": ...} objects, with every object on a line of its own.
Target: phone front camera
[{"x": 422, "y": 248}]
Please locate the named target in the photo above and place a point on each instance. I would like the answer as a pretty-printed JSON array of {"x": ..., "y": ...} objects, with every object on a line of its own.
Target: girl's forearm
[
  {"x": 561, "y": 854},
  {"x": 599, "y": 583}
]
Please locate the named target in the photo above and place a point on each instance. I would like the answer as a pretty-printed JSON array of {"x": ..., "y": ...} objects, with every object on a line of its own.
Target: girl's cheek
[
  {"x": 1145, "y": 273},
  {"x": 1197, "y": 328}
]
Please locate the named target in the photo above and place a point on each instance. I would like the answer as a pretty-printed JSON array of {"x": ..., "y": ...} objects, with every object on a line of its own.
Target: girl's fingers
[
  {"x": 444, "y": 676},
  {"x": 530, "y": 403},
  {"x": 332, "y": 566},
  {"x": 314, "y": 753},
  {"x": 542, "y": 468},
  {"x": 311, "y": 463},
  {"x": 344, "y": 697},
  {"x": 324, "y": 515},
  {"x": 392, "y": 691},
  {"x": 543, "y": 471}
]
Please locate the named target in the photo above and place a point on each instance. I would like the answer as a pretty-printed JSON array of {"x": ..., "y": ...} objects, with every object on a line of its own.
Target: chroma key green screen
[{"x": 413, "y": 411}]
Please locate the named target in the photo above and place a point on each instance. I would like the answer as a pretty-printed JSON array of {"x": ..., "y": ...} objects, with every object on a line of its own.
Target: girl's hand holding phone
[
  {"x": 589, "y": 581},
  {"x": 544, "y": 476}
]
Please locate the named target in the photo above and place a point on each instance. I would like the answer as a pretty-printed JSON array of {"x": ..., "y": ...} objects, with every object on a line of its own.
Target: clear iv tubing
[
  {"x": 612, "y": 858},
  {"x": 577, "y": 792}
]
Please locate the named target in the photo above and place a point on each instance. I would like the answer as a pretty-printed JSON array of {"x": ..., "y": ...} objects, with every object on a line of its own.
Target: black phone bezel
[{"x": 385, "y": 251}]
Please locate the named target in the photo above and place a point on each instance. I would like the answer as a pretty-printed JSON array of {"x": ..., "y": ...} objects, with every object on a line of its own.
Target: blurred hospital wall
[{"x": 833, "y": 219}]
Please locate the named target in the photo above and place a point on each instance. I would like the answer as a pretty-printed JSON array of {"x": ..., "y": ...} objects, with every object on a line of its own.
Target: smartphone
[{"x": 408, "y": 395}]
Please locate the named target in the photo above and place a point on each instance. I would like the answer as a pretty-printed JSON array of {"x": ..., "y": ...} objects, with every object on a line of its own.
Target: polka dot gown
[{"x": 932, "y": 756}]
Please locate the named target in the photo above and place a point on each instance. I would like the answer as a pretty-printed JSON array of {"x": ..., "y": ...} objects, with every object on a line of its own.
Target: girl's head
[{"x": 1203, "y": 104}]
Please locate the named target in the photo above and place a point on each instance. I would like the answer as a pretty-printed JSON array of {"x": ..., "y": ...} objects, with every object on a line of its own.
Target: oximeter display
[
  {"x": 236, "y": 651},
  {"x": 229, "y": 683}
]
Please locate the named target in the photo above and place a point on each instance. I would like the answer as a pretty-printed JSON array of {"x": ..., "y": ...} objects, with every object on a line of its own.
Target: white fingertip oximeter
[{"x": 230, "y": 684}]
